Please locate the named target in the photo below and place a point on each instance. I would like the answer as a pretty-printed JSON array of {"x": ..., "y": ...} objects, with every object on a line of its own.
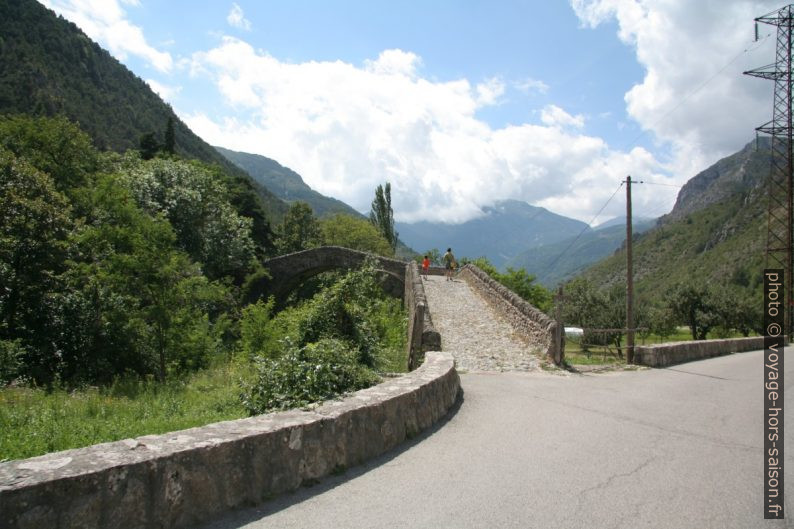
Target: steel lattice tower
[{"x": 779, "y": 241}]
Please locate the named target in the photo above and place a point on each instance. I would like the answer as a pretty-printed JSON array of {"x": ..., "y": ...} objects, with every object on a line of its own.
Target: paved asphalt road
[{"x": 669, "y": 448}]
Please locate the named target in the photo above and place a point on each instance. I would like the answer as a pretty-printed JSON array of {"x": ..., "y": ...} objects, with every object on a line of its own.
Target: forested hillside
[
  {"x": 111, "y": 264},
  {"x": 702, "y": 264},
  {"x": 285, "y": 183},
  {"x": 49, "y": 67},
  {"x": 559, "y": 261}
]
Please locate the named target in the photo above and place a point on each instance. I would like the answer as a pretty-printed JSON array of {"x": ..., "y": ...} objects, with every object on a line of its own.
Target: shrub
[{"x": 304, "y": 375}]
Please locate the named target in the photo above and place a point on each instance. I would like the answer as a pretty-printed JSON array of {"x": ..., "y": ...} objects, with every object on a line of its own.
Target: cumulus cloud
[
  {"x": 347, "y": 128},
  {"x": 105, "y": 22},
  {"x": 694, "y": 54},
  {"x": 236, "y": 18},
  {"x": 554, "y": 116}
]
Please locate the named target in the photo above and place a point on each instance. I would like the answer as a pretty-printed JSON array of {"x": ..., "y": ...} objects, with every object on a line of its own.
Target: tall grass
[{"x": 35, "y": 422}]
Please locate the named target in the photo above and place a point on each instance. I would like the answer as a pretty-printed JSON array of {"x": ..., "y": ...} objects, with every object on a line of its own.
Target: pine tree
[{"x": 382, "y": 215}]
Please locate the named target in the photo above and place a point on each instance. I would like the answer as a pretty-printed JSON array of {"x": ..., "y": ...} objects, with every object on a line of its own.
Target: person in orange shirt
[{"x": 425, "y": 266}]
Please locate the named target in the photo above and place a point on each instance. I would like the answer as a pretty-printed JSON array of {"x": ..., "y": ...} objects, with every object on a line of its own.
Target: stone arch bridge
[{"x": 287, "y": 272}]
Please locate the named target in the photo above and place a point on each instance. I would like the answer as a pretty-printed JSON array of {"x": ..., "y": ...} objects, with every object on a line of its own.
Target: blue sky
[{"x": 457, "y": 104}]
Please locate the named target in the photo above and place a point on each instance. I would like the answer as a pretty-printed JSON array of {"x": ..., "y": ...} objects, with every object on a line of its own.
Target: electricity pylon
[{"x": 779, "y": 242}]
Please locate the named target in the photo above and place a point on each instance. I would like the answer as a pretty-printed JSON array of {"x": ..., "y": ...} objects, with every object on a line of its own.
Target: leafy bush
[
  {"x": 304, "y": 375},
  {"x": 330, "y": 345}
]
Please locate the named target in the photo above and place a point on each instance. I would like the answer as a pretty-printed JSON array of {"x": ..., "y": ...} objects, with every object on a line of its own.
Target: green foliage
[
  {"x": 34, "y": 227},
  {"x": 196, "y": 204},
  {"x": 257, "y": 336},
  {"x": 169, "y": 143},
  {"x": 357, "y": 234},
  {"x": 303, "y": 375},
  {"x": 300, "y": 230},
  {"x": 94, "y": 286},
  {"x": 519, "y": 281},
  {"x": 54, "y": 146},
  {"x": 434, "y": 255},
  {"x": 331, "y": 344},
  {"x": 691, "y": 304},
  {"x": 382, "y": 216},
  {"x": 11, "y": 360},
  {"x": 148, "y": 146},
  {"x": 591, "y": 309}
]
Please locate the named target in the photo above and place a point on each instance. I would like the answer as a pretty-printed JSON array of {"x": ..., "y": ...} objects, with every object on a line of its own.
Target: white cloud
[
  {"x": 236, "y": 18},
  {"x": 554, "y": 116},
  {"x": 529, "y": 86},
  {"x": 167, "y": 92},
  {"x": 347, "y": 128},
  {"x": 489, "y": 92},
  {"x": 105, "y": 22},
  {"x": 693, "y": 97}
]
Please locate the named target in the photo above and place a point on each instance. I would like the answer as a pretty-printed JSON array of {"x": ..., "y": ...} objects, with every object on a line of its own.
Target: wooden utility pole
[{"x": 629, "y": 280}]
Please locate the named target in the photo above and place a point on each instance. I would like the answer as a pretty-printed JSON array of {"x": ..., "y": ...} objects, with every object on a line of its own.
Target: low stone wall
[
  {"x": 666, "y": 354},
  {"x": 528, "y": 322},
  {"x": 183, "y": 478},
  {"x": 422, "y": 335}
]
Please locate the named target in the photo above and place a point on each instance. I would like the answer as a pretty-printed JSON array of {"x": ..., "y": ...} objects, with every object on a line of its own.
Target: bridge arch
[{"x": 289, "y": 271}]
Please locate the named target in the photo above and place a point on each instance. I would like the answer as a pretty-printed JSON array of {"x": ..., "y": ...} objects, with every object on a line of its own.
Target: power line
[{"x": 551, "y": 266}]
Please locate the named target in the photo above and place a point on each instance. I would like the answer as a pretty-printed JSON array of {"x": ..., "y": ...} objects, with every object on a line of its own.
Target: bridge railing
[
  {"x": 528, "y": 322},
  {"x": 422, "y": 334}
]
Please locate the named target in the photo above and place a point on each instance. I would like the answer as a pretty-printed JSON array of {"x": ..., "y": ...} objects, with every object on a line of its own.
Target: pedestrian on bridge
[
  {"x": 425, "y": 266},
  {"x": 449, "y": 263}
]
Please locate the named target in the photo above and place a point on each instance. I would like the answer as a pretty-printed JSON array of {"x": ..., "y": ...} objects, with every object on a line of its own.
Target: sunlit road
[{"x": 667, "y": 448}]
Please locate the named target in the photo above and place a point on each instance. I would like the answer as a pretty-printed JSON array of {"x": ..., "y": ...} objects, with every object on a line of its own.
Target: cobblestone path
[{"x": 473, "y": 332}]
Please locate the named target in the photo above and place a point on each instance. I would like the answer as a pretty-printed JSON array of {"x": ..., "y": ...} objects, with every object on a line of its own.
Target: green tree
[
  {"x": 148, "y": 146},
  {"x": 132, "y": 301},
  {"x": 300, "y": 229},
  {"x": 357, "y": 234},
  {"x": 382, "y": 215},
  {"x": 34, "y": 226},
  {"x": 196, "y": 204},
  {"x": 55, "y": 146},
  {"x": 692, "y": 305},
  {"x": 662, "y": 322}
]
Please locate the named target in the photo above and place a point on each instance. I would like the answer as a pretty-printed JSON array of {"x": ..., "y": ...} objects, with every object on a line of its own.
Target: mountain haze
[
  {"x": 503, "y": 231},
  {"x": 560, "y": 261}
]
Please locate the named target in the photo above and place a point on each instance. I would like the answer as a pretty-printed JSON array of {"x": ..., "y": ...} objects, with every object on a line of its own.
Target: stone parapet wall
[
  {"x": 422, "y": 335},
  {"x": 666, "y": 354},
  {"x": 183, "y": 478},
  {"x": 529, "y": 323}
]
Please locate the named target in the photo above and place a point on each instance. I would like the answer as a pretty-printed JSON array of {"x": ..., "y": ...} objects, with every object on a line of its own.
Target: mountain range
[
  {"x": 500, "y": 233},
  {"x": 559, "y": 261}
]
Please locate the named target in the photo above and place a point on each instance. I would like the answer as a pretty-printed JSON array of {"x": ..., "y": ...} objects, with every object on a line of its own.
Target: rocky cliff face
[{"x": 743, "y": 171}]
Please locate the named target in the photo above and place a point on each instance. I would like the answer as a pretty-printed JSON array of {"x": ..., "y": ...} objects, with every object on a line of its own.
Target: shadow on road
[{"x": 246, "y": 515}]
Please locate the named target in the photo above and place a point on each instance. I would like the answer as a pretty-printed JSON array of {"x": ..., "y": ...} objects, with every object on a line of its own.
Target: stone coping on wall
[
  {"x": 529, "y": 322},
  {"x": 660, "y": 355},
  {"x": 182, "y": 478},
  {"x": 422, "y": 334}
]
